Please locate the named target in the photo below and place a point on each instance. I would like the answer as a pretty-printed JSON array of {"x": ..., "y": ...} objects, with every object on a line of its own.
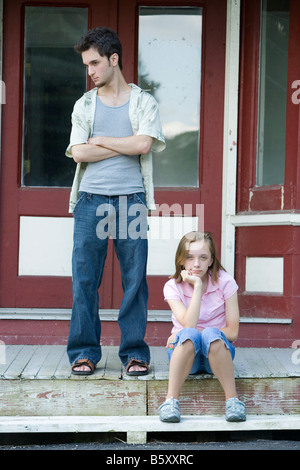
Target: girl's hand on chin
[{"x": 193, "y": 280}]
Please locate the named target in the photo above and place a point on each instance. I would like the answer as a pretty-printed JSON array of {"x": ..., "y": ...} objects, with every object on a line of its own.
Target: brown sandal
[
  {"x": 135, "y": 362},
  {"x": 83, "y": 362}
]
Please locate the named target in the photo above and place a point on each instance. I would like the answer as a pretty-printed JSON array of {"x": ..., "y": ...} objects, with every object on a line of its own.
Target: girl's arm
[
  {"x": 232, "y": 318},
  {"x": 188, "y": 317}
]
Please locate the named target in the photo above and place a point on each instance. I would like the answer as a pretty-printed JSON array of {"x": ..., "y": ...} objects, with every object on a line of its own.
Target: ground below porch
[{"x": 39, "y": 394}]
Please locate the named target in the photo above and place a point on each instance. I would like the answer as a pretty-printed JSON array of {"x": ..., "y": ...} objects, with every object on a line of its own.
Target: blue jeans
[
  {"x": 97, "y": 217},
  {"x": 201, "y": 341}
]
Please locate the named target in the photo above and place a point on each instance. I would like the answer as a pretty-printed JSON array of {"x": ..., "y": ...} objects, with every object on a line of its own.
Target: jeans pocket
[
  {"x": 140, "y": 198},
  {"x": 81, "y": 198}
]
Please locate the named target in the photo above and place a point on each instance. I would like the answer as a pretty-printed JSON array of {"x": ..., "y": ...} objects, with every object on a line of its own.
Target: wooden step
[
  {"x": 36, "y": 381},
  {"x": 137, "y": 427}
]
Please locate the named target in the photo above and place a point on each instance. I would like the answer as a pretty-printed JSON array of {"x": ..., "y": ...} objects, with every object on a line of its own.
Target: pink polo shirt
[{"x": 212, "y": 310}]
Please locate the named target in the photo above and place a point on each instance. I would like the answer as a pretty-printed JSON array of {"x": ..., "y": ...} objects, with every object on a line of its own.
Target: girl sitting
[{"x": 205, "y": 316}]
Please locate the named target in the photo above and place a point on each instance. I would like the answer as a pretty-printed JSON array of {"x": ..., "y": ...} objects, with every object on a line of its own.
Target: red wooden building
[{"x": 226, "y": 75}]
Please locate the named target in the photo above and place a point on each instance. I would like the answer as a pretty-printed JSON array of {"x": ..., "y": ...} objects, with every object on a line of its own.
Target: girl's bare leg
[
  {"x": 221, "y": 364},
  {"x": 180, "y": 366}
]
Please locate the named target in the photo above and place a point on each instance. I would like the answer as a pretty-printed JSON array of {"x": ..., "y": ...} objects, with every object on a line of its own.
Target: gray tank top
[{"x": 118, "y": 175}]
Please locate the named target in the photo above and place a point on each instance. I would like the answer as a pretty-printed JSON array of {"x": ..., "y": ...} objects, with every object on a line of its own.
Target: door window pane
[
  {"x": 53, "y": 80},
  {"x": 170, "y": 68},
  {"x": 272, "y": 92}
]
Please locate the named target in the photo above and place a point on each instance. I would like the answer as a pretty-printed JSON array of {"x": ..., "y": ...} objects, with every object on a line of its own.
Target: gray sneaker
[
  {"x": 235, "y": 410},
  {"x": 169, "y": 411}
]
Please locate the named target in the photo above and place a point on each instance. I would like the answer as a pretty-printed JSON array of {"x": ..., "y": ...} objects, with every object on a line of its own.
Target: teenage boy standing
[{"x": 114, "y": 127}]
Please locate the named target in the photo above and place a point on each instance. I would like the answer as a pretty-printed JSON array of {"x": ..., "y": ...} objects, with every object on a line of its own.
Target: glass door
[
  {"x": 180, "y": 59},
  {"x": 42, "y": 84},
  {"x": 169, "y": 66}
]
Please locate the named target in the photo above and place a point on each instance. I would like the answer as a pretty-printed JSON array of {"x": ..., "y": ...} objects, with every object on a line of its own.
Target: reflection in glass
[
  {"x": 53, "y": 80},
  {"x": 273, "y": 92},
  {"x": 170, "y": 68}
]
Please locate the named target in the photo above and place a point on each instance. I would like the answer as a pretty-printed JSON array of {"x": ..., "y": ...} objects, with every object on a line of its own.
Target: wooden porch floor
[
  {"x": 38, "y": 393},
  {"x": 51, "y": 362}
]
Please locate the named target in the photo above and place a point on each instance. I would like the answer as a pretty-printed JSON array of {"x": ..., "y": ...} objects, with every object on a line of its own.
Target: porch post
[{"x": 230, "y": 134}]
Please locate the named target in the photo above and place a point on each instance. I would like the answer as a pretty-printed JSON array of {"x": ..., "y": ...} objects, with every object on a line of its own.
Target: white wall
[
  {"x": 45, "y": 246},
  {"x": 264, "y": 274}
]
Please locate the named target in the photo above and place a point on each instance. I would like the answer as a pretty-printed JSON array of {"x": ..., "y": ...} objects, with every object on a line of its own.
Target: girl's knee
[
  {"x": 216, "y": 346},
  {"x": 188, "y": 334},
  {"x": 187, "y": 346},
  {"x": 188, "y": 337},
  {"x": 211, "y": 339},
  {"x": 210, "y": 334}
]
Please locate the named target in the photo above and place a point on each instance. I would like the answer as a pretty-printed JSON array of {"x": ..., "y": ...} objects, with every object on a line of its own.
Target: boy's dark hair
[{"x": 105, "y": 40}]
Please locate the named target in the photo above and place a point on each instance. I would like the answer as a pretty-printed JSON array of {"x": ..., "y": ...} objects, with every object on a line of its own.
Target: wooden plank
[
  {"x": 285, "y": 356},
  {"x": 137, "y": 427},
  {"x": 197, "y": 396},
  {"x": 16, "y": 367},
  {"x": 36, "y": 361},
  {"x": 63, "y": 370},
  {"x": 201, "y": 397},
  {"x": 240, "y": 364},
  {"x": 48, "y": 368},
  {"x": 113, "y": 366},
  {"x": 11, "y": 352},
  {"x": 257, "y": 365},
  {"x": 277, "y": 369},
  {"x": 161, "y": 363},
  {"x": 72, "y": 397}
]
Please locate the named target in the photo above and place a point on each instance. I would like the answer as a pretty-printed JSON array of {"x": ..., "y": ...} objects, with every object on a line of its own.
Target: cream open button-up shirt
[{"x": 145, "y": 120}]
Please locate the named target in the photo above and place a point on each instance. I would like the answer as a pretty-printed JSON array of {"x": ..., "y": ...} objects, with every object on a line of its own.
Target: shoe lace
[
  {"x": 172, "y": 403},
  {"x": 234, "y": 406}
]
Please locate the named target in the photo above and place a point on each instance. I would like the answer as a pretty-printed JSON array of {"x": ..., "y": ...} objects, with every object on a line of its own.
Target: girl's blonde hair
[{"x": 183, "y": 249}]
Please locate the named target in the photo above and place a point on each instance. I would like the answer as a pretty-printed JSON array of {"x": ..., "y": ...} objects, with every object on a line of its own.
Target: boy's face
[{"x": 100, "y": 69}]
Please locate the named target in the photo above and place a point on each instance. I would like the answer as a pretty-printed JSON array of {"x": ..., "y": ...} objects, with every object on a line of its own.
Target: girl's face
[{"x": 199, "y": 258}]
